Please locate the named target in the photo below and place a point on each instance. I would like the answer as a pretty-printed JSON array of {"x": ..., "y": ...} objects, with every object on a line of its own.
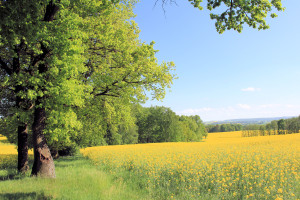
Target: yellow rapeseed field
[
  {"x": 7, "y": 148},
  {"x": 223, "y": 166},
  {"x": 9, "y": 153},
  {"x": 2, "y": 138}
]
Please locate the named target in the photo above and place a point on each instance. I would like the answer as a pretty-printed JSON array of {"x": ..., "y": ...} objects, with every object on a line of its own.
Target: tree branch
[
  {"x": 42, "y": 56},
  {"x": 51, "y": 10},
  {"x": 4, "y": 66}
]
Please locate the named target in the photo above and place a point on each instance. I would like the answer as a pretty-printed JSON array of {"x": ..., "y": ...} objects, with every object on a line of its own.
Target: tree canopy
[
  {"x": 161, "y": 124},
  {"x": 233, "y": 14}
]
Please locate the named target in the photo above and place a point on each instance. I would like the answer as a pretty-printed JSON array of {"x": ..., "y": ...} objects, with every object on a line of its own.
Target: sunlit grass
[
  {"x": 224, "y": 166},
  {"x": 77, "y": 178}
]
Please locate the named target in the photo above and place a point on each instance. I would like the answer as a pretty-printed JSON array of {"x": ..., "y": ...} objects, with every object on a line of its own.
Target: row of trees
[
  {"x": 70, "y": 71},
  {"x": 282, "y": 126},
  {"x": 65, "y": 64},
  {"x": 223, "y": 127},
  {"x": 115, "y": 124},
  {"x": 275, "y": 127}
]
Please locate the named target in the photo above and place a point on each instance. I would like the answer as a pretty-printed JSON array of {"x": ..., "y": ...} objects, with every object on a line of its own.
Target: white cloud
[
  {"x": 250, "y": 89},
  {"x": 227, "y": 109},
  {"x": 243, "y": 111},
  {"x": 270, "y": 105},
  {"x": 292, "y": 106},
  {"x": 244, "y": 106},
  {"x": 195, "y": 111}
]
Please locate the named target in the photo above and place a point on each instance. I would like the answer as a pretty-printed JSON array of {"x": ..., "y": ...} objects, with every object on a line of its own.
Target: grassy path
[{"x": 77, "y": 178}]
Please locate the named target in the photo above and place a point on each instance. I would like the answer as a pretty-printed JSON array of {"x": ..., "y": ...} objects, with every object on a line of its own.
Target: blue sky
[{"x": 227, "y": 76}]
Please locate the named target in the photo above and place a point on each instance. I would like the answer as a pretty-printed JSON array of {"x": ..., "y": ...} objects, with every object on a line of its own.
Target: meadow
[{"x": 223, "y": 166}]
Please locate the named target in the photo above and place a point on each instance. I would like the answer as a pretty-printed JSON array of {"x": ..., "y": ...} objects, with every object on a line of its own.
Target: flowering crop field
[
  {"x": 9, "y": 155},
  {"x": 223, "y": 166}
]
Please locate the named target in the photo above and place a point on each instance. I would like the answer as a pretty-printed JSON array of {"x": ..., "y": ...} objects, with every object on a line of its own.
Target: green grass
[{"x": 77, "y": 178}]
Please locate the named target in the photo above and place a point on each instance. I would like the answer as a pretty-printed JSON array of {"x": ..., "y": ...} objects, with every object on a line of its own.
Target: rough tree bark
[
  {"x": 43, "y": 165},
  {"x": 22, "y": 128},
  {"x": 23, "y": 148}
]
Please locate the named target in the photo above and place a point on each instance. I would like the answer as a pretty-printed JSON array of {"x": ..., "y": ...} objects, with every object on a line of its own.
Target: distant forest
[{"x": 291, "y": 125}]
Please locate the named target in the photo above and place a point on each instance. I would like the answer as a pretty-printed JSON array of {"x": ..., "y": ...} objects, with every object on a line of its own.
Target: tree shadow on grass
[
  {"x": 12, "y": 174},
  {"x": 9, "y": 176},
  {"x": 8, "y": 167},
  {"x": 23, "y": 196},
  {"x": 68, "y": 161}
]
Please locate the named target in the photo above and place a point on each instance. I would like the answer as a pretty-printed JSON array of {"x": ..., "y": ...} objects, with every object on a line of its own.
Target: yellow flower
[{"x": 279, "y": 190}]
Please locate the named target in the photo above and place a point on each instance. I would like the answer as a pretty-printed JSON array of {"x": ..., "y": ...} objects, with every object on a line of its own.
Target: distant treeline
[
  {"x": 223, "y": 128},
  {"x": 275, "y": 127}
]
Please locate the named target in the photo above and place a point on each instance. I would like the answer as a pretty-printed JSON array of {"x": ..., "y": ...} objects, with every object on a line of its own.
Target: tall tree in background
[
  {"x": 293, "y": 125},
  {"x": 281, "y": 126},
  {"x": 158, "y": 124},
  {"x": 161, "y": 124}
]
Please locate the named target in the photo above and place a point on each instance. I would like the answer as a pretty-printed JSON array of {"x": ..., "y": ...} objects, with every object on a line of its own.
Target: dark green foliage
[
  {"x": 223, "y": 127},
  {"x": 272, "y": 125},
  {"x": 281, "y": 126},
  {"x": 275, "y": 127},
  {"x": 161, "y": 124},
  {"x": 157, "y": 124},
  {"x": 129, "y": 134},
  {"x": 192, "y": 128},
  {"x": 293, "y": 125},
  {"x": 106, "y": 121}
]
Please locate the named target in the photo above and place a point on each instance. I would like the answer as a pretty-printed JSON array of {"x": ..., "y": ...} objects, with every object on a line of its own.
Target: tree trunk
[
  {"x": 22, "y": 134},
  {"x": 43, "y": 165},
  {"x": 23, "y": 148}
]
